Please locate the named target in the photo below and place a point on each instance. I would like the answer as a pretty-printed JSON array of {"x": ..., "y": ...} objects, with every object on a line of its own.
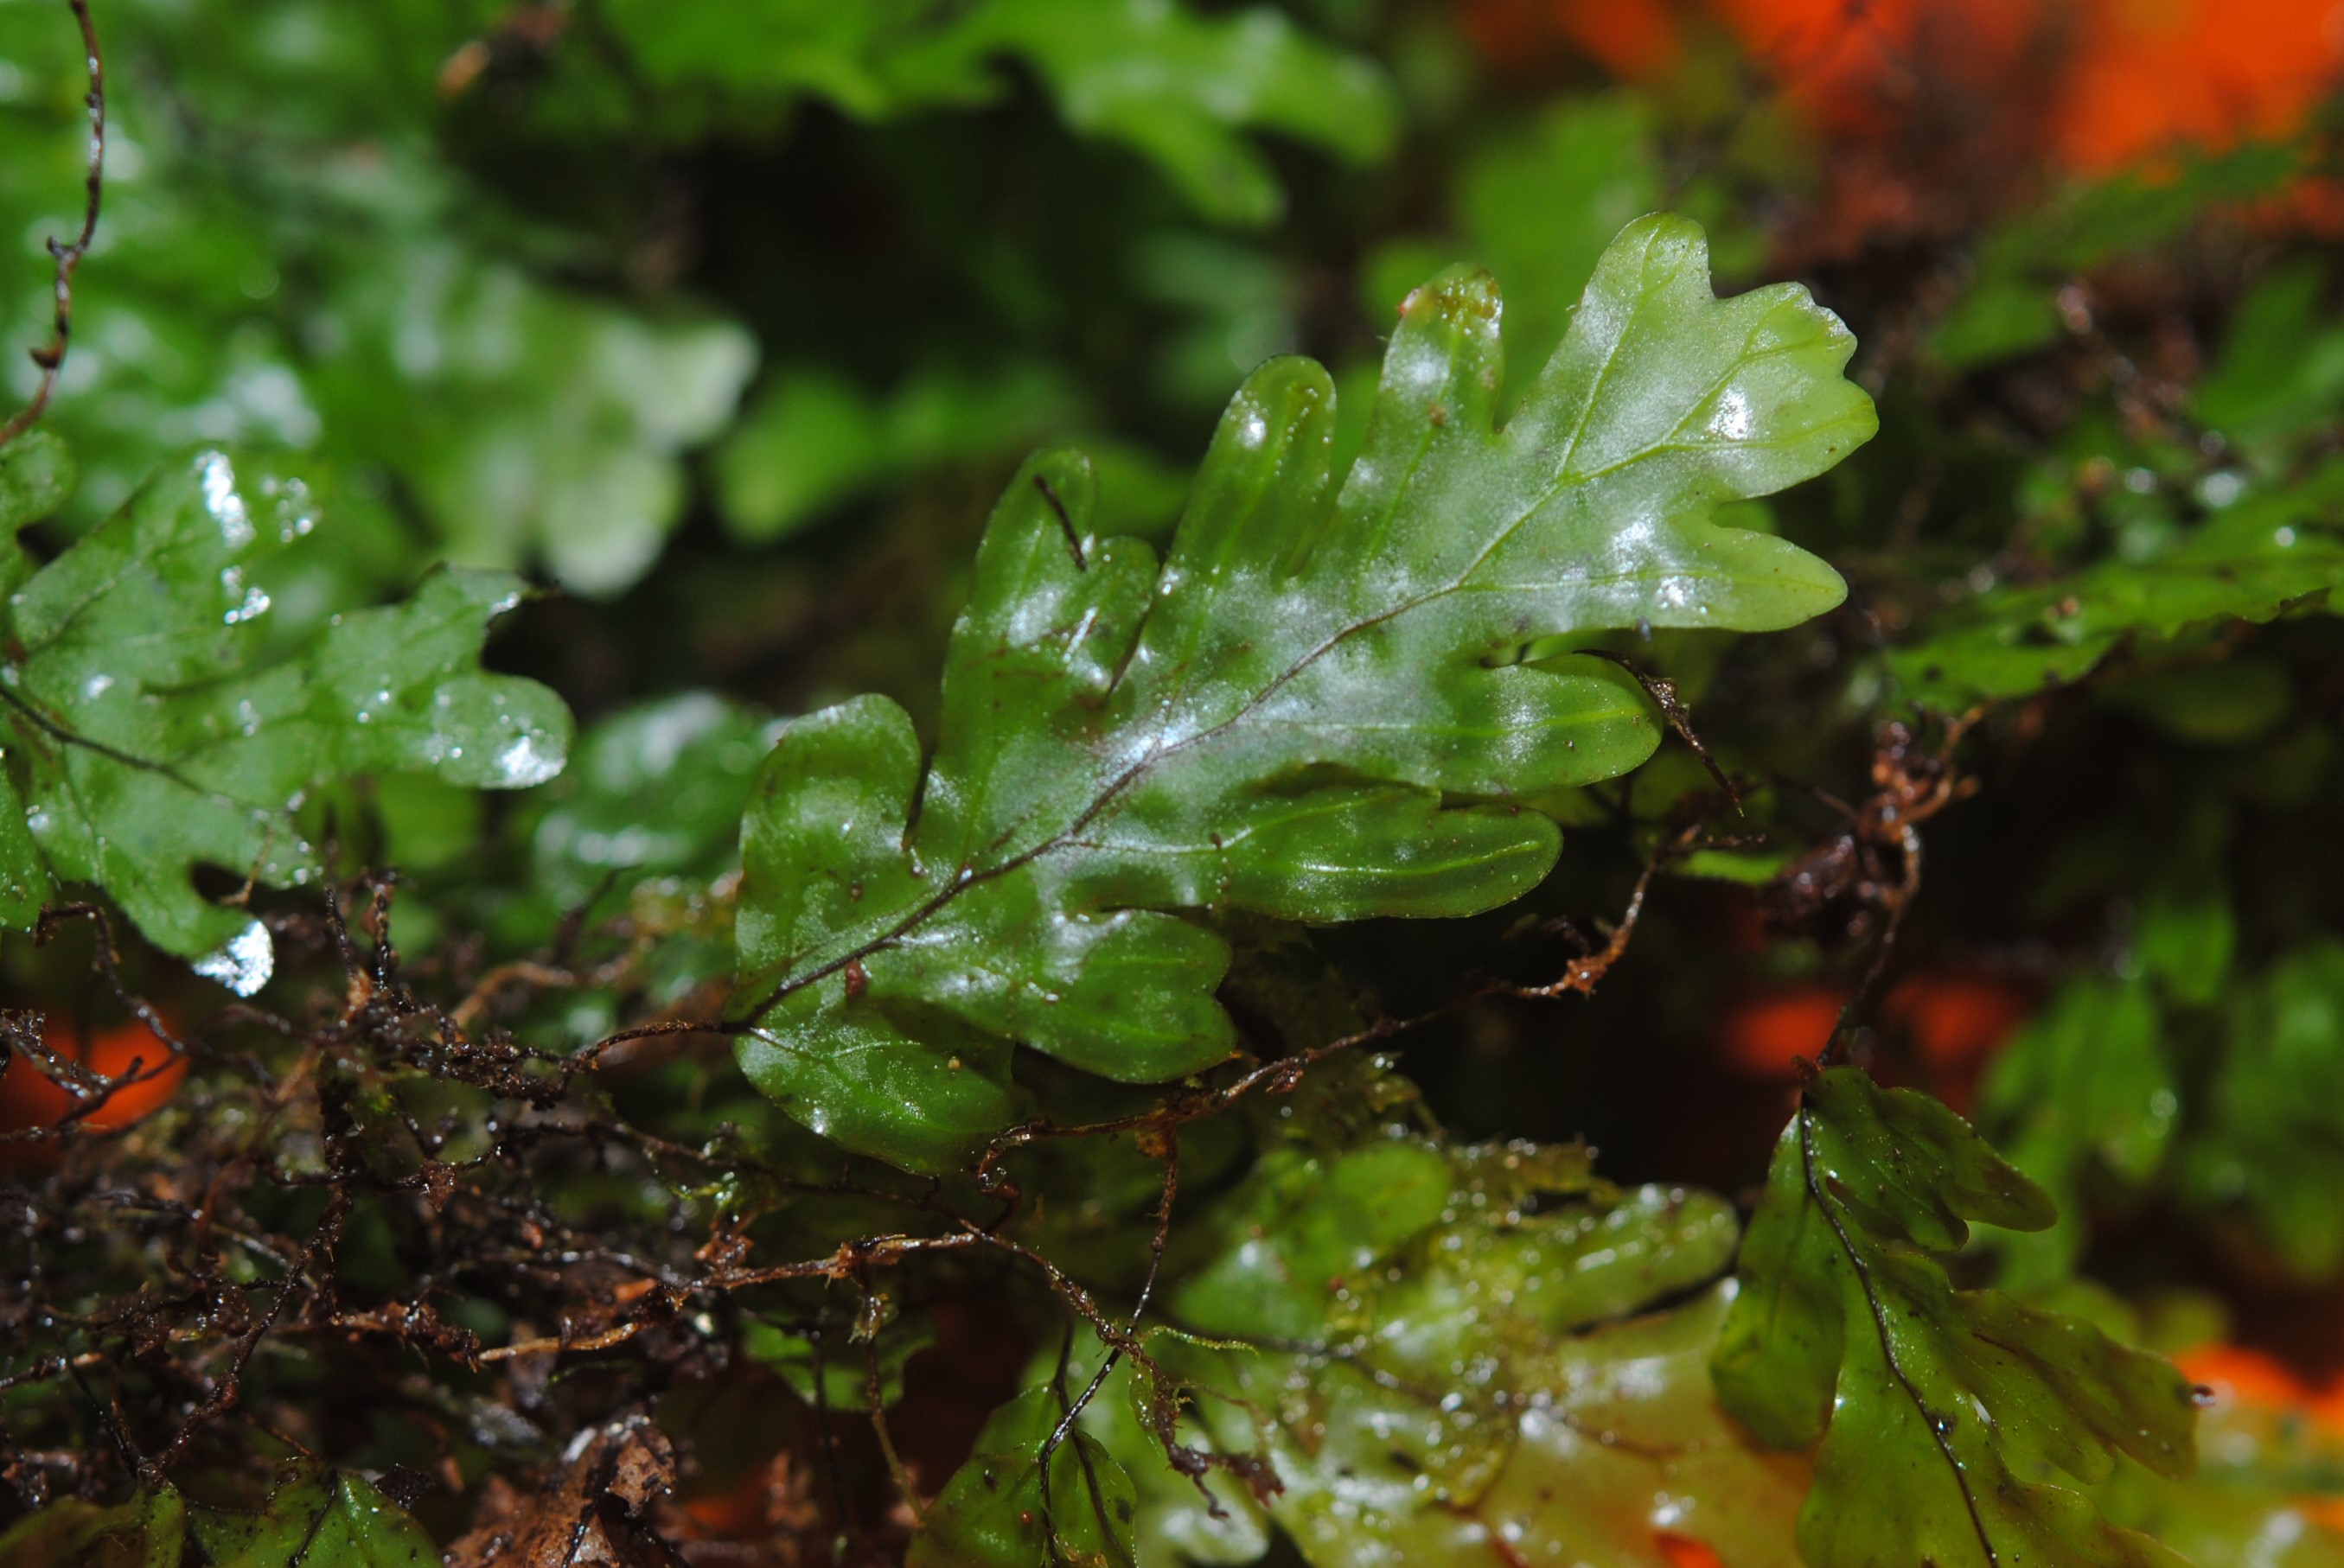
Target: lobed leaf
[
  {"x": 1305, "y": 711},
  {"x": 1179, "y": 89},
  {"x": 1451, "y": 1376},
  {"x": 1941, "y": 1412},
  {"x": 2260, "y": 558},
  {"x": 146, "y": 733}
]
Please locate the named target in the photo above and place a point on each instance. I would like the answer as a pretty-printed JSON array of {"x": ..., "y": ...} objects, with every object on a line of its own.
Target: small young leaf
[
  {"x": 317, "y": 1518},
  {"x": 1938, "y": 1409},
  {"x": 144, "y": 737},
  {"x": 1302, "y": 713}
]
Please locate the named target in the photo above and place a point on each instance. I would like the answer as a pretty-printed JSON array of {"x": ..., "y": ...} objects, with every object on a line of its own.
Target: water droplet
[
  {"x": 243, "y": 965},
  {"x": 217, "y": 477},
  {"x": 522, "y": 764}
]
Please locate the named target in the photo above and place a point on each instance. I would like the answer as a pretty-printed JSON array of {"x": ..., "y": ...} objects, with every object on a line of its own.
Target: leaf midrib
[{"x": 1565, "y": 479}]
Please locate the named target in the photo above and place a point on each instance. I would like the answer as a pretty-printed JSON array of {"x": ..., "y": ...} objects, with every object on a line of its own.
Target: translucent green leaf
[
  {"x": 317, "y": 1518},
  {"x": 1179, "y": 89},
  {"x": 844, "y": 1368},
  {"x": 1942, "y": 1413},
  {"x": 146, "y": 733},
  {"x": 1451, "y": 1372},
  {"x": 2281, "y": 372},
  {"x": 147, "y": 1532},
  {"x": 1303, "y": 711}
]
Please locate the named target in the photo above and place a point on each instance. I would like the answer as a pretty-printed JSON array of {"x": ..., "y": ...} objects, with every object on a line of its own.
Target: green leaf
[
  {"x": 2281, "y": 373},
  {"x": 1942, "y": 1412},
  {"x": 1538, "y": 208},
  {"x": 1304, "y": 712},
  {"x": 2250, "y": 1499},
  {"x": 147, "y": 1532},
  {"x": 1454, "y": 1368},
  {"x": 813, "y": 440},
  {"x": 2255, "y": 561},
  {"x": 541, "y": 424},
  {"x": 996, "y": 1512},
  {"x": 655, "y": 789},
  {"x": 342, "y": 288},
  {"x": 2085, "y": 1084},
  {"x": 37, "y": 475},
  {"x": 2273, "y": 1149},
  {"x": 147, "y": 734},
  {"x": 1179, "y": 88},
  {"x": 316, "y": 1518}
]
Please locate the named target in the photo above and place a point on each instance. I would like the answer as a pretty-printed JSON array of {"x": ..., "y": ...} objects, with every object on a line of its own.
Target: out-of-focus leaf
[
  {"x": 1942, "y": 1413},
  {"x": 655, "y": 789},
  {"x": 150, "y": 1531},
  {"x": 536, "y": 424},
  {"x": 1181, "y": 89},
  {"x": 2228, "y": 702},
  {"x": 287, "y": 261},
  {"x": 2252, "y": 561},
  {"x": 813, "y": 441},
  {"x": 1239, "y": 303},
  {"x": 998, "y": 1511},
  {"x": 2010, "y": 306},
  {"x": 2085, "y": 1083},
  {"x": 2281, "y": 373},
  {"x": 1302, "y": 713},
  {"x": 2274, "y": 1146},
  {"x": 37, "y": 475},
  {"x": 145, "y": 735},
  {"x": 316, "y": 1518}
]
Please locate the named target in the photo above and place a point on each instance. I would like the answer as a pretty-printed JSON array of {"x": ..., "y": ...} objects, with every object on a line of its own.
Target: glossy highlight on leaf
[
  {"x": 146, "y": 732},
  {"x": 1305, "y": 711}
]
